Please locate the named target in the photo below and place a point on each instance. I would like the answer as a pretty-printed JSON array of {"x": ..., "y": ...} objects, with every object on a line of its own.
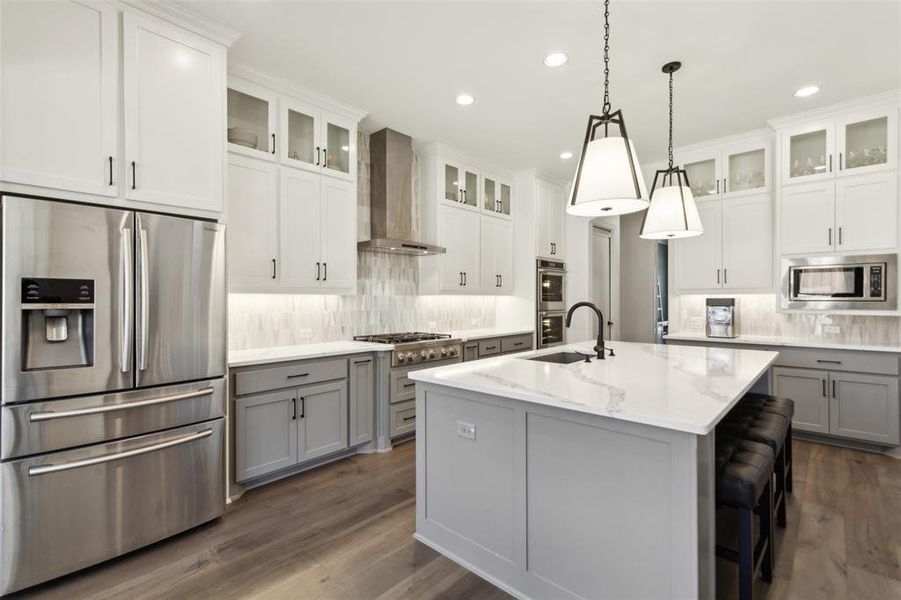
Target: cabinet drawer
[
  {"x": 489, "y": 347},
  {"x": 273, "y": 378},
  {"x": 839, "y": 360},
  {"x": 403, "y": 418},
  {"x": 516, "y": 343},
  {"x": 402, "y": 388}
]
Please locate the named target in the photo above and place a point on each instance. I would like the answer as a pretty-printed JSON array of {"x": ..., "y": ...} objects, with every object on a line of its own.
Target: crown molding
[
  {"x": 288, "y": 88},
  {"x": 881, "y": 99},
  {"x": 186, "y": 18},
  {"x": 763, "y": 132}
]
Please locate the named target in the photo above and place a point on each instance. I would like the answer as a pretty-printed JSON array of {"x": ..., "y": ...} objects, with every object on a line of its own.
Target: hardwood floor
[{"x": 343, "y": 531}]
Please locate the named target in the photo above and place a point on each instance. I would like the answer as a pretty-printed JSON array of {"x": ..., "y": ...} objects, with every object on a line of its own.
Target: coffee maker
[{"x": 722, "y": 318}]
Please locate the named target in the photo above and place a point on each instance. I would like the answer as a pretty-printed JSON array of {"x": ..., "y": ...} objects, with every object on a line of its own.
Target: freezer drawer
[
  {"x": 53, "y": 425},
  {"x": 68, "y": 510}
]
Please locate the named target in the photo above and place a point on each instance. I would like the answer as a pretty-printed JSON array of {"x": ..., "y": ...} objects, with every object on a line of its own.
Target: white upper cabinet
[
  {"x": 550, "y": 212},
  {"x": 497, "y": 255},
  {"x": 252, "y": 119},
  {"x": 704, "y": 173},
  {"x": 866, "y": 212},
  {"x": 338, "y": 206},
  {"x": 855, "y": 143},
  {"x": 174, "y": 138},
  {"x": 252, "y": 214},
  {"x": 497, "y": 196},
  {"x": 318, "y": 141},
  {"x": 459, "y": 233},
  {"x": 460, "y": 184},
  {"x": 807, "y": 222},
  {"x": 59, "y": 108},
  {"x": 729, "y": 169},
  {"x": 699, "y": 259}
]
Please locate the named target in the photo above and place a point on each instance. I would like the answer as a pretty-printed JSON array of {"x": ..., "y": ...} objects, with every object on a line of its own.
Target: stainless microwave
[{"x": 841, "y": 282}]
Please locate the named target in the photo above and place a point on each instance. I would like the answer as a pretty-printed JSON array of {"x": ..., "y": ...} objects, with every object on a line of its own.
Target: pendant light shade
[
  {"x": 608, "y": 180},
  {"x": 673, "y": 213}
]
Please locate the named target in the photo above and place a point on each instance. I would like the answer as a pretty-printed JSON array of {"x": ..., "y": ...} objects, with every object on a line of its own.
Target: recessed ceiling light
[
  {"x": 555, "y": 59},
  {"x": 464, "y": 99},
  {"x": 807, "y": 90},
  {"x": 566, "y": 155}
]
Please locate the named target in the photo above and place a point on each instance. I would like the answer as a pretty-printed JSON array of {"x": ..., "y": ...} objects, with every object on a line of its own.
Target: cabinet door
[
  {"x": 265, "y": 433},
  {"x": 252, "y": 116},
  {"x": 300, "y": 230},
  {"x": 338, "y": 202},
  {"x": 452, "y": 178},
  {"x": 60, "y": 101},
  {"x": 699, "y": 259},
  {"x": 449, "y": 236},
  {"x": 300, "y": 145},
  {"x": 339, "y": 146},
  {"x": 807, "y": 218},
  {"x": 866, "y": 211},
  {"x": 252, "y": 217},
  {"x": 864, "y": 407},
  {"x": 503, "y": 252},
  {"x": 867, "y": 142},
  {"x": 322, "y": 417},
  {"x": 747, "y": 242},
  {"x": 506, "y": 198},
  {"x": 362, "y": 400},
  {"x": 746, "y": 168},
  {"x": 550, "y": 213},
  {"x": 490, "y": 193},
  {"x": 704, "y": 174},
  {"x": 470, "y": 180},
  {"x": 807, "y": 153},
  {"x": 808, "y": 390},
  {"x": 174, "y": 123},
  {"x": 489, "y": 246},
  {"x": 468, "y": 248},
  {"x": 470, "y": 352}
]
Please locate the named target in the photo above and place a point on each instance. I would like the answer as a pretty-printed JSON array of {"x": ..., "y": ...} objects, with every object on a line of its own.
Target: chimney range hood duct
[{"x": 391, "y": 196}]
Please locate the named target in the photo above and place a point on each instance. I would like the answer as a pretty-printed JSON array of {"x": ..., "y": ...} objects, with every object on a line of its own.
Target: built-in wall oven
[
  {"x": 840, "y": 282},
  {"x": 550, "y": 302}
]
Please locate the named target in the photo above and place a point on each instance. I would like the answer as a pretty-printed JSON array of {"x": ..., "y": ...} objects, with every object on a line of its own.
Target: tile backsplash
[
  {"x": 757, "y": 315},
  {"x": 387, "y": 296}
]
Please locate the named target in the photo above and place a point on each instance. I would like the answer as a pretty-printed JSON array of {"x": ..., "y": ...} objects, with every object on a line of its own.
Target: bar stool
[
  {"x": 786, "y": 408},
  {"x": 753, "y": 424},
  {"x": 744, "y": 482}
]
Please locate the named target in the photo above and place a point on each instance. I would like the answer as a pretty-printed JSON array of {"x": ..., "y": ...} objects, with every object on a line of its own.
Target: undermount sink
[{"x": 562, "y": 358}]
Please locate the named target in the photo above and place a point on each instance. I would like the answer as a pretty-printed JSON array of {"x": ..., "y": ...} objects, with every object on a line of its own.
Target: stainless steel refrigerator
[{"x": 113, "y": 390}]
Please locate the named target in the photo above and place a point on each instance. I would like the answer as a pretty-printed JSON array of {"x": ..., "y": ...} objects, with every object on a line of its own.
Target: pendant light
[
  {"x": 608, "y": 180},
  {"x": 672, "y": 213}
]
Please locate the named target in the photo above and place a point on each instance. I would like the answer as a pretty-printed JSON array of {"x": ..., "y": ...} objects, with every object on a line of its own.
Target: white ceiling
[{"x": 404, "y": 62}]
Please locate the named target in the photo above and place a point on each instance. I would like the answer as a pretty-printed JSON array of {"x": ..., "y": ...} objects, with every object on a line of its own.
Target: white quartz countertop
[
  {"x": 261, "y": 356},
  {"x": 683, "y": 388},
  {"x": 773, "y": 340},
  {"x": 468, "y": 335}
]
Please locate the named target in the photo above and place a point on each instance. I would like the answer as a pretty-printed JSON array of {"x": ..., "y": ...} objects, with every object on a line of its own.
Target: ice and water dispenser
[{"x": 58, "y": 323}]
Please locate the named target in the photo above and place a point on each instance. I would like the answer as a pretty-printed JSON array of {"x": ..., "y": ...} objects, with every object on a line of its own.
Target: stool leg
[
  {"x": 745, "y": 554},
  {"x": 789, "y": 472},
  {"x": 779, "y": 492},
  {"x": 766, "y": 532}
]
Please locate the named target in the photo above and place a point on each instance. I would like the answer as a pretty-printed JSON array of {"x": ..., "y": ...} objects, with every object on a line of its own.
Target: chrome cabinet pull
[
  {"x": 45, "y": 469},
  {"x": 145, "y": 300},
  {"x": 50, "y": 415},
  {"x": 125, "y": 296},
  {"x": 111, "y": 170}
]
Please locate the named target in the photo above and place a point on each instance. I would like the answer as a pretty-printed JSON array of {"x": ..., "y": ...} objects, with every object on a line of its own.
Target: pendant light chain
[
  {"x": 606, "y": 107},
  {"x": 670, "y": 149}
]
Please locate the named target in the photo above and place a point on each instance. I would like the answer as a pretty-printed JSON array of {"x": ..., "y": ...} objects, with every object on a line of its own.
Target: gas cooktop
[{"x": 401, "y": 338}]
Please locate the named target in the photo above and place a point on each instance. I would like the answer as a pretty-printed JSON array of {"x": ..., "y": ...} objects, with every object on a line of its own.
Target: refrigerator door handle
[
  {"x": 125, "y": 300},
  {"x": 76, "y": 464},
  {"x": 145, "y": 300},
  {"x": 49, "y": 415}
]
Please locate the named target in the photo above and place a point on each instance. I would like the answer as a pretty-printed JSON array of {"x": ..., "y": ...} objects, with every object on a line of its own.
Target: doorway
[{"x": 602, "y": 276}]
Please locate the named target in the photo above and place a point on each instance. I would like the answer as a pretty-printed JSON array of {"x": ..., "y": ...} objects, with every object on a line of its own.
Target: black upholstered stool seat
[
  {"x": 756, "y": 425},
  {"x": 744, "y": 475}
]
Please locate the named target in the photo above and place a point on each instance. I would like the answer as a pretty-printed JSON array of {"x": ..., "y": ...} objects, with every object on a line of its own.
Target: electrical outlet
[
  {"x": 466, "y": 430},
  {"x": 832, "y": 329}
]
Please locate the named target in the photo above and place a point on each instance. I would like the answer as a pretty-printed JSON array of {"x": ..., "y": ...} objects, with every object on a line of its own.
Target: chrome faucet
[{"x": 600, "y": 345}]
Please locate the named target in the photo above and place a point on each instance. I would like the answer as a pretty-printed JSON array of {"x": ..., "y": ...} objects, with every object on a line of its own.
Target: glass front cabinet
[
  {"x": 497, "y": 195},
  {"x": 318, "y": 141},
  {"x": 853, "y": 144},
  {"x": 461, "y": 184},
  {"x": 728, "y": 170},
  {"x": 252, "y": 112}
]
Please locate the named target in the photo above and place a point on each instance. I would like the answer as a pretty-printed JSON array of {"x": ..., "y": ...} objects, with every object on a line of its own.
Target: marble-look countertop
[
  {"x": 468, "y": 335},
  {"x": 262, "y": 356},
  {"x": 682, "y": 388},
  {"x": 773, "y": 340}
]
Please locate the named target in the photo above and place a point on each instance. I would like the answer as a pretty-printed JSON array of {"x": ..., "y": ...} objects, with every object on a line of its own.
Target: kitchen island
[{"x": 580, "y": 480}]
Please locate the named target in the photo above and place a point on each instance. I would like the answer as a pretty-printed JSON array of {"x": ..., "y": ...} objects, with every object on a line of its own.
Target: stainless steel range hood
[{"x": 391, "y": 196}]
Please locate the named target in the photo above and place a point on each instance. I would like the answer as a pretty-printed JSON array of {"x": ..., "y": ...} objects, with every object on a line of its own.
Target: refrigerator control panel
[{"x": 37, "y": 290}]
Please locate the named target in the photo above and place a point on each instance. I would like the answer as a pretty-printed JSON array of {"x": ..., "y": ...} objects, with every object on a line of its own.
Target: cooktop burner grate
[{"x": 401, "y": 338}]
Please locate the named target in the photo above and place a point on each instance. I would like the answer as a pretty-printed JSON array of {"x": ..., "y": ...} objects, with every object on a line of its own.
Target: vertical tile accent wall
[{"x": 387, "y": 295}]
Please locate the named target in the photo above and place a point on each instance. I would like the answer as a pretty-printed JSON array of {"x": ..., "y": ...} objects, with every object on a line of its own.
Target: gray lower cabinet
[
  {"x": 470, "y": 351},
  {"x": 808, "y": 390},
  {"x": 403, "y": 418},
  {"x": 864, "y": 407},
  {"x": 487, "y": 347},
  {"x": 265, "y": 433},
  {"x": 322, "y": 419},
  {"x": 362, "y": 400}
]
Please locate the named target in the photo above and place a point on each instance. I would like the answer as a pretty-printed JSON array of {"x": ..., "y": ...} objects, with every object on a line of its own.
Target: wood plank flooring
[{"x": 343, "y": 532}]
